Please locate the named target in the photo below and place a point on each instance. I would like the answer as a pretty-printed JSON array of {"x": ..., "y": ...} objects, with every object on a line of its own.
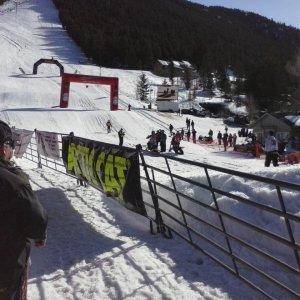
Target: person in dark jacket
[
  {"x": 194, "y": 132},
  {"x": 163, "y": 141},
  {"x": 171, "y": 129},
  {"x": 22, "y": 219},
  {"x": 219, "y": 137},
  {"x": 193, "y": 125},
  {"x": 121, "y": 135},
  {"x": 188, "y": 135}
]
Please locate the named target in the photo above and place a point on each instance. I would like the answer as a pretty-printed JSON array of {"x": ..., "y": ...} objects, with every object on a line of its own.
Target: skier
[
  {"x": 271, "y": 150},
  {"x": 163, "y": 141},
  {"x": 188, "y": 135},
  {"x": 108, "y": 126},
  {"x": 194, "y": 136},
  {"x": 219, "y": 137},
  {"x": 129, "y": 107},
  {"x": 171, "y": 129},
  {"x": 121, "y": 135}
]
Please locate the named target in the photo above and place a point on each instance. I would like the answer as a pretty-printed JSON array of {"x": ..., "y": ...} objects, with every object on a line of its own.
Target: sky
[{"x": 284, "y": 11}]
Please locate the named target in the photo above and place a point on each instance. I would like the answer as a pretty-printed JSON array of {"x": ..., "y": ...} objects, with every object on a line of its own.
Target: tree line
[{"x": 133, "y": 34}]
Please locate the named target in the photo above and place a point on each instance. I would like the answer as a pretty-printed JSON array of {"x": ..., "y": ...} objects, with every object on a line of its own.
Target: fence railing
[
  {"x": 242, "y": 221},
  {"x": 195, "y": 208}
]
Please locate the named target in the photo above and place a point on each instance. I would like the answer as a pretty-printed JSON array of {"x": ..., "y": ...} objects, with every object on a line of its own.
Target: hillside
[{"x": 133, "y": 34}]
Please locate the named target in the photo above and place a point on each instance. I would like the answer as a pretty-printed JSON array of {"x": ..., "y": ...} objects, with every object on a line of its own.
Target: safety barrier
[{"x": 203, "y": 210}]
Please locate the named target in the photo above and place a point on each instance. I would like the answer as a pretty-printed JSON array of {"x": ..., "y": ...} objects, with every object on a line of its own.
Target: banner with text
[
  {"x": 113, "y": 169},
  {"x": 47, "y": 144},
  {"x": 22, "y": 138}
]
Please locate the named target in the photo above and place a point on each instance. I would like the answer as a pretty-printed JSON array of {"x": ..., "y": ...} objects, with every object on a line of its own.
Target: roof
[
  {"x": 269, "y": 116},
  {"x": 163, "y": 62},
  {"x": 186, "y": 63},
  {"x": 176, "y": 64},
  {"x": 294, "y": 120}
]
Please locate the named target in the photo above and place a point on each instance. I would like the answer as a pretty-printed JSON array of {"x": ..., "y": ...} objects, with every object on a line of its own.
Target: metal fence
[
  {"x": 263, "y": 255},
  {"x": 265, "y": 258}
]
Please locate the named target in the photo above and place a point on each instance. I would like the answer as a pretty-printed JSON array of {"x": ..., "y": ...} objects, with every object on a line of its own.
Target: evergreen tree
[
  {"x": 208, "y": 82},
  {"x": 187, "y": 77},
  {"x": 171, "y": 72},
  {"x": 143, "y": 88},
  {"x": 223, "y": 83}
]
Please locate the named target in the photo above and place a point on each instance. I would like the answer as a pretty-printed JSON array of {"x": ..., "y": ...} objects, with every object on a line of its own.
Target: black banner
[{"x": 115, "y": 170}]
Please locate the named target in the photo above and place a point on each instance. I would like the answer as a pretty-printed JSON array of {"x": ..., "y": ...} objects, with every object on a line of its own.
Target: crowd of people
[{"x": 157, "y": 141}]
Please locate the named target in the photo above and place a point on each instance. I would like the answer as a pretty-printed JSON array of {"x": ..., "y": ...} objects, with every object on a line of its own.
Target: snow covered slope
[{"x": 26, "y": 100}]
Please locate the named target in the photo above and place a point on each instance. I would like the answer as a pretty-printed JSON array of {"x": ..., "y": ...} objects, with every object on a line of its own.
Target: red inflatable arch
[{"x": 68, "y": 78}]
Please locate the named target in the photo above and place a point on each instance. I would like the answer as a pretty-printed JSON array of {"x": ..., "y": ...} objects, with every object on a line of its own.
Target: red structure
[{"x": 68, "y": 78}]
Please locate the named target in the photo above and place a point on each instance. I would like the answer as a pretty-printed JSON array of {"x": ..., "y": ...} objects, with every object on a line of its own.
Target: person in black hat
[{"x": 22, "y": 219}]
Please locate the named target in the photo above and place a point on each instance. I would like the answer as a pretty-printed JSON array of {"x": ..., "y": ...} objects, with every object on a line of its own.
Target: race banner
[
  {"x": 22, "y": 139},
  {"x": 114, "y": 170},
  {"x": 47, "y": 144}
]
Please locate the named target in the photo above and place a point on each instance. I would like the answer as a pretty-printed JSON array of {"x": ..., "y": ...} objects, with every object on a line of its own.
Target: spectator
[
  {"x": 188, "y": 135},
  {"x": 230, "y": 139},
  {"x": 171, "y": 129},
  {"x": 22, "y": 218},
  {"x": 193, "y": 125},
  {"x": 163, "y": 141},
  {"x": 234, "y": 138},
  {"x": 194, "y": 132},
  {"x": 210, "y": 134},
  {"x": 271, "y": 150},
  {"x": 225, "y": 140},
  {"x": 219, "y": 137}
]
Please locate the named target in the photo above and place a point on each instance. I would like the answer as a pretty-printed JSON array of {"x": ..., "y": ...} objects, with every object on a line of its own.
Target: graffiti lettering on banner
[
  {"x": 47, "y": 144},
  {"x": 22, "y": 139},
  {"x": 112, "y": 169}
]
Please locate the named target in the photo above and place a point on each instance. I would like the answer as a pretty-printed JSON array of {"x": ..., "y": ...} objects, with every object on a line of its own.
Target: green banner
[{"x": 114, "y": 170}]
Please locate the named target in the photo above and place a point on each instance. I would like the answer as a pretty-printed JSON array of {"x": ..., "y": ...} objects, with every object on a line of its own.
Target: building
[
  {"x": 294, "y": 122},
  {"x": 162, "y": 68},
  {"x": 267, "y": 122}
]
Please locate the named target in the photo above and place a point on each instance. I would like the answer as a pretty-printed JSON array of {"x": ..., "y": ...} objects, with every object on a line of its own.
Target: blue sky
[{"x": 284, "y": 11}]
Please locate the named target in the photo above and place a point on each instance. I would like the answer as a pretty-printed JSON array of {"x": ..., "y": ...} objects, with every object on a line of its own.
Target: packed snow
[{"x": 96, "y": 249}]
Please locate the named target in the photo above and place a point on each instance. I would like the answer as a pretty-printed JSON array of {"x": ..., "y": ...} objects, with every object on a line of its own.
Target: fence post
[
  {"x": 222, "y": 222},
  {"x": 288, "y": 224},
  {"x": 158, "y": 217},
  {"x": 178, "y": 199},
  {"x": 38, "y": 155}
]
